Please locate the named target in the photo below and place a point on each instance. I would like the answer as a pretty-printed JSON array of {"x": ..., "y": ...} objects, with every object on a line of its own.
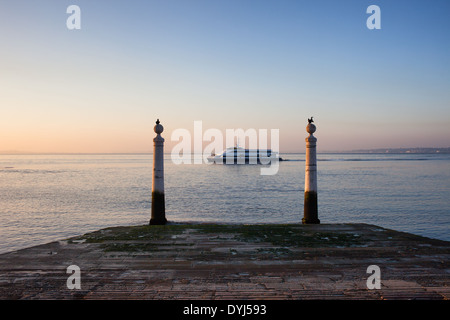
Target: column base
[
  {"x": 310, "y": 221},
  {"x": 310, "y": 212},
  {"x": 156, "y": 222},
  {"x": 158, "y": 209}
]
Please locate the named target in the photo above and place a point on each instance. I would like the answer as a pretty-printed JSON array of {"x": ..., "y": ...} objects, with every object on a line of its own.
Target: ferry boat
[{"x": 239, "y": 155}]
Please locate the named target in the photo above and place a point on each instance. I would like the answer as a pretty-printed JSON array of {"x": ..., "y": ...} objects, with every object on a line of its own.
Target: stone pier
[{"x": 227, "y": 262}]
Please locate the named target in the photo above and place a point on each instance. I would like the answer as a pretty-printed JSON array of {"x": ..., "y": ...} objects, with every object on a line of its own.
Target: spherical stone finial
[
  {"x": 310, "y": 128},
  {"x": 158, "y": 127}
]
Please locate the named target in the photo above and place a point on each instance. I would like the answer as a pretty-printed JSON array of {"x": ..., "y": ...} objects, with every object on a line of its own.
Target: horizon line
[{"x": 16, "y": 152}]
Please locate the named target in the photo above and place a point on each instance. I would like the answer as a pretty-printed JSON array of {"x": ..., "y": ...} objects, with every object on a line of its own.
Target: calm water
[{"x": 50, "y": 197}]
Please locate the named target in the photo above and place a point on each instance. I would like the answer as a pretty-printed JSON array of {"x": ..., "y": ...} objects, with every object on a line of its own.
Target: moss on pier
[
  {"x": 132, "y": 233},
  {"x": 148, "y": 238},
  {"x": 284, "y": 235}
]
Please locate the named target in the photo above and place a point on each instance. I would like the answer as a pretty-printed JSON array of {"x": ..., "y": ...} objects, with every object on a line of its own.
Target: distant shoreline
[
  {"x": 404, "y": 150},
  {"x": 368, "y": 151}
]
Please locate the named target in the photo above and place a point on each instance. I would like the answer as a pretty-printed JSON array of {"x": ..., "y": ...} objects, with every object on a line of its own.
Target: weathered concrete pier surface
[{"x": 213, "y": 261}]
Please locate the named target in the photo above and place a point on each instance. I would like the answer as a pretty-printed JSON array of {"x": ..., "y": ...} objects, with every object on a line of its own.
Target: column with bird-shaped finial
[{"x": 310, "y": 212}]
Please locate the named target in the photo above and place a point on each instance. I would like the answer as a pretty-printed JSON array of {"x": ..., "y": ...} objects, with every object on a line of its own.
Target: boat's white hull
[{"x": 238, "y": 155}]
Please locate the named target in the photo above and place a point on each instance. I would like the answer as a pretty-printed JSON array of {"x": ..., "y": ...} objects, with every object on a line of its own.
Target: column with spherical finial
[
  {"x": 158, "y": 205},
  {"x": 310, "y": 212}
]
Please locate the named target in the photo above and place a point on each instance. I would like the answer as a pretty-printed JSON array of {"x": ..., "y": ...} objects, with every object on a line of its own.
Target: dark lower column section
[
  {"x": 310, "y": 215},
  {"x": 158, "y": 209}
]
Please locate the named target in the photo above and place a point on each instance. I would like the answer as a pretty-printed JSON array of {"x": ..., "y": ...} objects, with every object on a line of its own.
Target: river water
[{"x": 51, "y": 197}]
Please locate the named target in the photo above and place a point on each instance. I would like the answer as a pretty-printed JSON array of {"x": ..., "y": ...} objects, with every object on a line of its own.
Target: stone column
[
  {"x": 310, "y": 214},
  {"x": 158, "y": 206}
]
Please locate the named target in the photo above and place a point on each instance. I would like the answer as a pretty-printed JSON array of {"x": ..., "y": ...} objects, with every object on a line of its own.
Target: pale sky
[{"x": 262, "y": 64}]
